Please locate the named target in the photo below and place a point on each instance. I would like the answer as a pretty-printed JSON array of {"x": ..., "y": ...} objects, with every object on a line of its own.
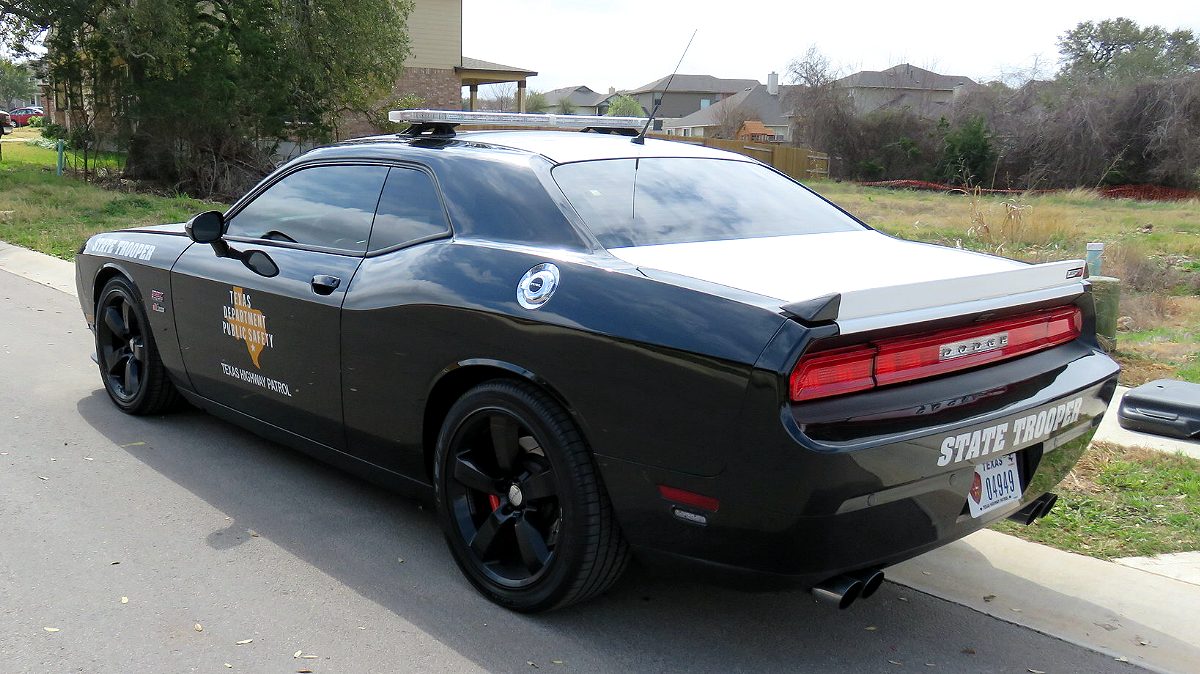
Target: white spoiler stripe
[
  {"x": 1061, "y": 294},
  {"x": 919, "y": 295}
]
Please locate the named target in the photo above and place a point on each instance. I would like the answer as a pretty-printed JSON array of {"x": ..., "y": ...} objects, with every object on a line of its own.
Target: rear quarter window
[{"x": 644, "y": 202}]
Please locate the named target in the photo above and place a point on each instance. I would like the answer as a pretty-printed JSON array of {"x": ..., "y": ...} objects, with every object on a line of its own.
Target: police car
[{"x": 586, "y": 346}]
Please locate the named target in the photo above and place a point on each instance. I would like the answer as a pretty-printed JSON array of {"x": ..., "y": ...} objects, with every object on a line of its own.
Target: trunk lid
[{"x": 882, "y": 280}]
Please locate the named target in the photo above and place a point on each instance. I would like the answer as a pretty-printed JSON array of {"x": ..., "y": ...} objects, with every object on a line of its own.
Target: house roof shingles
[
  {"x": 904, "y": 76},
  {"x": 469, "y": 63},
  {"x": 769, "y": 107},
  {"x": 697, "y": 84},
  {"x": 580, "y": 96}
]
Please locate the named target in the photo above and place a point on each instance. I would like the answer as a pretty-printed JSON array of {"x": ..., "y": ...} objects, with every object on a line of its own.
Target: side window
[
  {"x": 328, "y": 206},
  {"x": 409, "y": 209}
]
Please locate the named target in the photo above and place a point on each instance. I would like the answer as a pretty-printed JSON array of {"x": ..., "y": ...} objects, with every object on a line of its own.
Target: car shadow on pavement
[{"x": 355, "y": 532}]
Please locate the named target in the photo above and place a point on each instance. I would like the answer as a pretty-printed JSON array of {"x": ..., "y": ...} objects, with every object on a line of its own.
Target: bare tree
[
  {"x": 503, "y": 97},
  {"x": 729, "y": 118},
  {"x": 813, "y": 69}
]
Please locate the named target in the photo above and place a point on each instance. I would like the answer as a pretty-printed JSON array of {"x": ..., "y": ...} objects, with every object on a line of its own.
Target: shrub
[
  {"x": 54, "y": 131},
  {"x": 37, "y": 121}
]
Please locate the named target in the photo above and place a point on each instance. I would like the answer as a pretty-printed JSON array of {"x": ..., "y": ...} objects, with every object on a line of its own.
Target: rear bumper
[{"x": 794, "y": 512}]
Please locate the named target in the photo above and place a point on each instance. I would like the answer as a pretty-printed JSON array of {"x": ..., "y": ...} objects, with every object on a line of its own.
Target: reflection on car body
[{"x": 583, "y": 349}]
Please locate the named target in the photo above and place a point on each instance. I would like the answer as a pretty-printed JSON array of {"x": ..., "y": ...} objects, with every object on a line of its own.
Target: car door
[{"x": 264, "y": 336}]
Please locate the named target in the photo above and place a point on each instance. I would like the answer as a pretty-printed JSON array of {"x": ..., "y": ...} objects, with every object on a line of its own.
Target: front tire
[
  {"x": 133, "y": 375},
  {"x": 524, "y": 511}
]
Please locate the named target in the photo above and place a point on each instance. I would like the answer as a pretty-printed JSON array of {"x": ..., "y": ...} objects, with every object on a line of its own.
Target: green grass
[
  {"x": 1154, "y": 247},
  {"x": 1123, "y": 502},
  {"x": 56, "y": 214},
  {"x": 1026, "y": 226}
]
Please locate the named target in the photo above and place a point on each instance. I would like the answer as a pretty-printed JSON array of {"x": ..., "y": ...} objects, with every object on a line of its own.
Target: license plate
[{"x": 996, "y": 482}]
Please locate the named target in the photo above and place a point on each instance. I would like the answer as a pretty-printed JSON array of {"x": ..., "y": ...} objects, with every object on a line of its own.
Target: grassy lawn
[
  {"x": 1117, "y": 502},
  {"x": 1153, "y": 247},
  {"x": 55, "y": 214},
  {"x": 1122, "y": 502}
]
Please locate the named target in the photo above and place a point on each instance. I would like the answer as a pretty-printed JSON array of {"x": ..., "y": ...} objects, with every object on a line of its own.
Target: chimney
[
  {"x": 612, "y": 90},
  {"x": 773, "y": 84}
]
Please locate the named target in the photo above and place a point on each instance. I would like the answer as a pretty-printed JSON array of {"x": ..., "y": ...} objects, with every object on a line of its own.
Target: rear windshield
[{"x": 645, "y": 202}]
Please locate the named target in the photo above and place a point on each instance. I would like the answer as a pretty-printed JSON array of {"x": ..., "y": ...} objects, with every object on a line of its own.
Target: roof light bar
[{"x": 514, "y": 119}]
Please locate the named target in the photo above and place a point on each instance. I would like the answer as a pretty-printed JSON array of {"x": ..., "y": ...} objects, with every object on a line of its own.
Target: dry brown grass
[{"x": 1154, "y": 248}]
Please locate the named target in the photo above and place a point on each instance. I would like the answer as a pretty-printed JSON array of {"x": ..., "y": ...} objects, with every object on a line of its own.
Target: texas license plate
[{"x": 996, "y": 482}]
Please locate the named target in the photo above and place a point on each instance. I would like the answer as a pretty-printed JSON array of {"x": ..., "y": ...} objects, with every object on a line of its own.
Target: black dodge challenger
[{"x": 585, "y": 347}]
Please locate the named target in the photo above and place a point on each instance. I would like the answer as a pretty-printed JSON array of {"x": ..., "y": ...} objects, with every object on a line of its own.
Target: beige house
[
  {"x": 437, "y": 71},
  {"x": 903, "y": 86},
  {"x": 765, "y": 104}
]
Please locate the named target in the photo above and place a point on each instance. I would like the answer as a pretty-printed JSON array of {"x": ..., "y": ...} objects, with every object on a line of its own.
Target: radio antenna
[{"x": 641, "y": 137}]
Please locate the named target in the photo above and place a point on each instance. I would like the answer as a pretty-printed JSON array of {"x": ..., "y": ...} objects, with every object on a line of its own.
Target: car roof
[{"x": 562, "y": 146}]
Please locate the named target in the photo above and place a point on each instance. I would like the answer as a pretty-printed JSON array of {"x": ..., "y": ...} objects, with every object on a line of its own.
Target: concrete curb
[
  {"x": 1100, "y": 605},
  {"x": 38, "y": 267}
]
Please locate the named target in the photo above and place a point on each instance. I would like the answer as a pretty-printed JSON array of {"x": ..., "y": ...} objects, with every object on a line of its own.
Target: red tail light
[{"x": 890, "y": 361}]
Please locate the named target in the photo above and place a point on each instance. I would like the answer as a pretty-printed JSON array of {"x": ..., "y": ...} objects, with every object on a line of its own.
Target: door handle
[{"x": 323, "y": 284}]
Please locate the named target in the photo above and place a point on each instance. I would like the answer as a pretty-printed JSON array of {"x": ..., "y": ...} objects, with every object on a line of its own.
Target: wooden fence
[{"x": 797, "y": 162}]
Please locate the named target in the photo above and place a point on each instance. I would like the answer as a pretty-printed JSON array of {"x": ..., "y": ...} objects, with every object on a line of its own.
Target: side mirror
[{"x": 206, "y": 227}]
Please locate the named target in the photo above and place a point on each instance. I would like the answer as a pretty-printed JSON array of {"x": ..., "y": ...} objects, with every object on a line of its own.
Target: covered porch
[{"x": 475, "y": 72}]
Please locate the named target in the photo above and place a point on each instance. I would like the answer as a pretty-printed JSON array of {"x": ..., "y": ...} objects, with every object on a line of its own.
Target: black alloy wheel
[
  {"x": 525, "y": 514},
  {"x": 133, "y": 375}
]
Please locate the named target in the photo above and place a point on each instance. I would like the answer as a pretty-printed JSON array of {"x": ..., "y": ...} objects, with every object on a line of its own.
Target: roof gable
[
  {"x": 904, "y": 76},
  {"x": 699, "y": 84},
  {"x": 771, "y": 108}
]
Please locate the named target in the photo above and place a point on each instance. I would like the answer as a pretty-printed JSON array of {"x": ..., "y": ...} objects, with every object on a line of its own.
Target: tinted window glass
[
  {"x": 328, "y": 206},
  {"x": 643, "y": 202},
  {"x": 409, "y": 209}
]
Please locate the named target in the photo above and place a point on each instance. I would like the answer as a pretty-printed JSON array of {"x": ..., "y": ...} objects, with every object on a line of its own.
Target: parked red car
[{"x": 20, "y": 116}]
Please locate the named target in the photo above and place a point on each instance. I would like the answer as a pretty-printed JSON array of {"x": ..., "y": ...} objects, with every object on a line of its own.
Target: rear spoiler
[{"x": 872, "y": 308}]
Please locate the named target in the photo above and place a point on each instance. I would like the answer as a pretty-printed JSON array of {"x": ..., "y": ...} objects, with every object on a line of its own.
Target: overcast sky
[{"x": 628, "y": 43}]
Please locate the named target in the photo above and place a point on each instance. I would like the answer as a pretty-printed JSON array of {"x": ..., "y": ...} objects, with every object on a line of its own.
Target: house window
[{"x": 704, "y": 103}]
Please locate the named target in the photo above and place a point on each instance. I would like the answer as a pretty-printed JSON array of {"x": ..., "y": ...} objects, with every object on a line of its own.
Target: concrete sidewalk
[{"x": 1142, "y": 610}]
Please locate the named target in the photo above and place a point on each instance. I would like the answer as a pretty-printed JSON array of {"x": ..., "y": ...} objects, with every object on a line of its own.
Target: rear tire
[
  {"x": 133, "y": 375},
  {"x": 524, "y": 511}
]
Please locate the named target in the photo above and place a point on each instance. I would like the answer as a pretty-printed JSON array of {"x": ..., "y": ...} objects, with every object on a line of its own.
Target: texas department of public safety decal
[
  {"x": 249, "y": 325},
  {"x": 244, "y": 322}
]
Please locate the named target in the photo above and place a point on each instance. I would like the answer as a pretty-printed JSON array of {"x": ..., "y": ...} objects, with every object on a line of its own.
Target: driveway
[{"x": 185, "y": 544}]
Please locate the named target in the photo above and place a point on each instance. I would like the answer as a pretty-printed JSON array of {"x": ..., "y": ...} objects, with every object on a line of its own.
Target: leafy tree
[
  {"x": 624, "y": 106},
  {"x": 968, "y": 155},
  {"x": 535, "y": 101},
  {"x": 201, "y": 92},
  {"x": 15, "y": 87},
  {"x": 1120, "y": 48},
  {"x": 565, "y": 106},
  {"x": 405, "y": 102}
]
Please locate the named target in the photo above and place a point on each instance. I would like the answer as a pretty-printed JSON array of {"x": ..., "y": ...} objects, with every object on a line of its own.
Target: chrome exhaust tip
[
  {"x": 840, "y": 590},
  {"x": 1051, "y": 499},
  {"x": 871, "y": 579},
  {"x": 1035, "y": 509}
]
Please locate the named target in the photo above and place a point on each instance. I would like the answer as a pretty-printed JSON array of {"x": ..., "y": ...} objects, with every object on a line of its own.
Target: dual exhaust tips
[
  {"x": 843, "y": 590},
  {"x": 1036, "y": 509}
]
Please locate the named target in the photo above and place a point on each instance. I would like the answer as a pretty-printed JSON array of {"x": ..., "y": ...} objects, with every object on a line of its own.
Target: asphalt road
[{"x": 123, "y": 534}]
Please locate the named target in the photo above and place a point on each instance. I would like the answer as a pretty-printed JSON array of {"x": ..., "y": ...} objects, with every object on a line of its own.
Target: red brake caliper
[{"x": 495, "y": 501}]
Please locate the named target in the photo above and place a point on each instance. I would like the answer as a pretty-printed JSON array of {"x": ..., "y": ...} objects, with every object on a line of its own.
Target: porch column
[
  {"x": 474, "y": 96},
  {"x": 520, "y": 95}
]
